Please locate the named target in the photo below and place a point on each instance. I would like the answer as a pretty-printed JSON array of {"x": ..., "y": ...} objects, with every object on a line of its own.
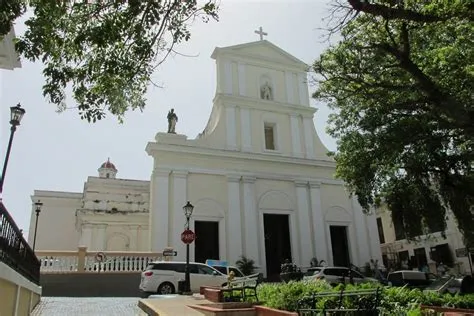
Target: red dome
[{"x": 108, "y": 165}]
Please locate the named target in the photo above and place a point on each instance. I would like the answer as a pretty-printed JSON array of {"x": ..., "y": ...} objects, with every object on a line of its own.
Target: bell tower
[{"x": 107, "y": 170}]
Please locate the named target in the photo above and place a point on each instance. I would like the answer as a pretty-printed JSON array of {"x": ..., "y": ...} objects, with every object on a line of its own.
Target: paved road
[{"x": 87, "y": 306}]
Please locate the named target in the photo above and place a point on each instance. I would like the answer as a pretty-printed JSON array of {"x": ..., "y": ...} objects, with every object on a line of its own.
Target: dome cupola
[{"x": 107, "y": 170}]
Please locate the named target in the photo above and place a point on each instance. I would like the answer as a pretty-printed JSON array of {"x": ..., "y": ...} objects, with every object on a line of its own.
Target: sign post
[
  {"x": 99, "y": 258},
  {"x": 170, "y": 253}
]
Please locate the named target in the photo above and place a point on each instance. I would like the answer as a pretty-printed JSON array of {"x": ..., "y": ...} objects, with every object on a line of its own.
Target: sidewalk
[{"x": 171, "y": 305}]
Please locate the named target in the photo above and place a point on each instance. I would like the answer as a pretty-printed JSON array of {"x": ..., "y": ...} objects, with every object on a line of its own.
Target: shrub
[{"x": 393, "y": 300}]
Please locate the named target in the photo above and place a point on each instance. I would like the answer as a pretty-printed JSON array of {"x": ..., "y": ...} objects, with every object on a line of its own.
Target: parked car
[
  {"x": 162, "y": 277},
  {"x": 410, "y": 278},
  {"x": 224, "y": 268},
  {"x": 452, "y": 285},
  {"x": 336, "y": 275}
]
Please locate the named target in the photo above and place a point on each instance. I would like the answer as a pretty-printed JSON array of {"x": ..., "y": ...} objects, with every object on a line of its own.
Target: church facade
[{"x": 258, "y": 175}]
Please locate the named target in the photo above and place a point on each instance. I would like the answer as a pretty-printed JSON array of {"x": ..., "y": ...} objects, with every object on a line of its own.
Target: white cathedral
[{"x": 258, "y": 176}]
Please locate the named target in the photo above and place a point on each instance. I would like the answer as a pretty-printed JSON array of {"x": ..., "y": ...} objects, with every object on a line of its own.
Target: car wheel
[{"x": 166, "y": 288}]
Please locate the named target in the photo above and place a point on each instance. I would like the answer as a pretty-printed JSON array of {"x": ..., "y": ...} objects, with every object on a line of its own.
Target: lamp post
[
  {"x": 16, "y": 114},
  {"x": 187, "y": 237},
  {"x": 38, "y": 206}
]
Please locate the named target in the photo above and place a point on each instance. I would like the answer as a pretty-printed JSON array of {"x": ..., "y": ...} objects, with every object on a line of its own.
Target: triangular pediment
[{"x": 263, "y": 50}]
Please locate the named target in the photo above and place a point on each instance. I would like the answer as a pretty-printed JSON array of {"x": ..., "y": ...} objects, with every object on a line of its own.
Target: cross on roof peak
[{"x": 261, "y": 33}]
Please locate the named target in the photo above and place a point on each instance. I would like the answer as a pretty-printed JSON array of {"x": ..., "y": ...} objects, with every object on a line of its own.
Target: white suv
[{"x": 162, "y": 277}]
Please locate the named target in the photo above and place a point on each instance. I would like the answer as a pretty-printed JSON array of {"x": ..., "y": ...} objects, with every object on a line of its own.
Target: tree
[
  {"x": 106, "y": 51},
  {"x": 401, "y": 82}
]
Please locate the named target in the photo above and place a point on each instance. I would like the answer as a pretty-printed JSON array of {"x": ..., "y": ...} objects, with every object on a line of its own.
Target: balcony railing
[
  {"x": 89, "y": 261},
  {"x": 14, "y": 249}
]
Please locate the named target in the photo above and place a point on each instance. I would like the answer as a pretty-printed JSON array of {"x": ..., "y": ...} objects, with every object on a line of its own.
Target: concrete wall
[
  {"x": 18, "y": 296},
  {"x": 91, "y": 284}
]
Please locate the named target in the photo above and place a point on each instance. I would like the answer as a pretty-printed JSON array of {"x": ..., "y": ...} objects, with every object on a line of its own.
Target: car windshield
[
  {"x": 221, "y": 269},
  {"x": 439, "y": 283},
  {"x": 311, "y": 272}
]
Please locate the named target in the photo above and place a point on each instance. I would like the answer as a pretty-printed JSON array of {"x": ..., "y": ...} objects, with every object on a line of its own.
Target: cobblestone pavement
[{"x": 87, "y": 306}]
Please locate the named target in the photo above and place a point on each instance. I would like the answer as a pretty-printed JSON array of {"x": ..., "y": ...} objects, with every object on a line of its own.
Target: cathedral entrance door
[
  {"x": 207, "y": 241},
  {"x": 340, "y": 246},
  {"x": 277, "y": 243}
]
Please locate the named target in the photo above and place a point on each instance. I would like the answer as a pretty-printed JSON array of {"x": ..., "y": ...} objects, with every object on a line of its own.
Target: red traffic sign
[{"x": 188, "y": 236}]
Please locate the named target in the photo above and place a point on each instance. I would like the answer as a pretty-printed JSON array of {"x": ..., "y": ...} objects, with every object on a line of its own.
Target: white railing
[{"x": 87, "y": 261}]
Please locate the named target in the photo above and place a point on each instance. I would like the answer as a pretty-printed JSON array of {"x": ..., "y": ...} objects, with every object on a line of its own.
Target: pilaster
[
  {"x": 319, "y": 223},
  {"x": 245, "y": 129},
  {"x": 178, "y": 221},
  {"x": 295, "y": 135},
  {"x": 86, "y": 235},
  {"x": 159, "y": 210},
  {"x": 228, "y": 77},
  {"x": 234, "y": 219},
  {"x": 308, "y": 126},
  {"x": 231, "y": 127},
  {"x": 290, "y": 87},
  {"x": 242, "y": 79},
  {"x": 250, "y": 219},
  {"x": 305, "y": 237}
]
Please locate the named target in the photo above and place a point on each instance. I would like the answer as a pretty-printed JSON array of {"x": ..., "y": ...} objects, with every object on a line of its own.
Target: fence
[
  {"x": 87, "y": 261},
  {"x": 14, "y": 249}
]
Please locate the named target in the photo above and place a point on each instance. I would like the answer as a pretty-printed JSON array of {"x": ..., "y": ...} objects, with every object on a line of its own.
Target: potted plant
[
  {"x": 246, "y": 265},
  {"x": 290, "y": 272}
]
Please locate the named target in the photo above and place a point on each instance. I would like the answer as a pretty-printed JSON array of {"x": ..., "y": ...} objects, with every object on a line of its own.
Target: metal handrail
[{"x": 15, "y": 250}]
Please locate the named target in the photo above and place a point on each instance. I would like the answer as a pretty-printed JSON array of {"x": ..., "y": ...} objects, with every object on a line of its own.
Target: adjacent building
[{"x": 429, "y": 249}]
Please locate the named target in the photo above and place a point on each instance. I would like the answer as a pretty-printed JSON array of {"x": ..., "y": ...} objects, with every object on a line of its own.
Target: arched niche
[
  {"x": 337, "y": 214},
  {"x": 266, "y": 88},
  {"x": 275, "y": 200},
  {"x": 118, "y": 242}
]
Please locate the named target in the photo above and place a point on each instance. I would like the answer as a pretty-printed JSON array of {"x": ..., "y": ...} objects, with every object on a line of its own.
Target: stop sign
[{"x": 188, "y": 236}]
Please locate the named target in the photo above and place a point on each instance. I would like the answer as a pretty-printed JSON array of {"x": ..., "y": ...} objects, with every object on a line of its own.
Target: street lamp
[
  {"x": 16, "y": 114},
  {"x": 188, "y": 211},
  {"x": 38, "y": 206}
]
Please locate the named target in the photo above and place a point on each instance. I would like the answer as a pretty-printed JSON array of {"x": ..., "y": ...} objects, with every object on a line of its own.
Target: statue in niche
[
  {"x": 172, "y": 119},
  {"x": 266, "y": 91}
]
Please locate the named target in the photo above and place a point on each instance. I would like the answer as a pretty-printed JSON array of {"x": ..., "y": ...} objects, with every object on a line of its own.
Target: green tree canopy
[
  {"x": 401, "y": 82},
  {"x": 106, "y": 51}
]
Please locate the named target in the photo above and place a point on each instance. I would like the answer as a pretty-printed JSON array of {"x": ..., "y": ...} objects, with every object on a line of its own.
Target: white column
[
  {"x": 361, "y": 243},
  {"x": 231, "y": 128},
  {"x": 303, "y": 88},
  {"x": 308, "y": 126},
  {"x": 228, "y": 77},
  {"x": 295, "y": 135},
  {"x": 179, "y": 200},
  {"x": 251, "y": 220},
  {"x": 290, "y": 96},
  {"x": 100, "y": 238},
  {"x": 234, "y": 219},
  {"x": 242, "y": 79},
  {"x": 159, "y": 210},
  {"x": 305, "y": 236},
  {"x": 86, "y": 236},
  {"x": 245, "y": 129},
  {"x": 374, "y": 241},
  {"x": 319, "y": 225}
]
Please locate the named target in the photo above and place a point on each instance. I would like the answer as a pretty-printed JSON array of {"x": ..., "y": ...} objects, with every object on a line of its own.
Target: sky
[{"x": 58, "y": 151}]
